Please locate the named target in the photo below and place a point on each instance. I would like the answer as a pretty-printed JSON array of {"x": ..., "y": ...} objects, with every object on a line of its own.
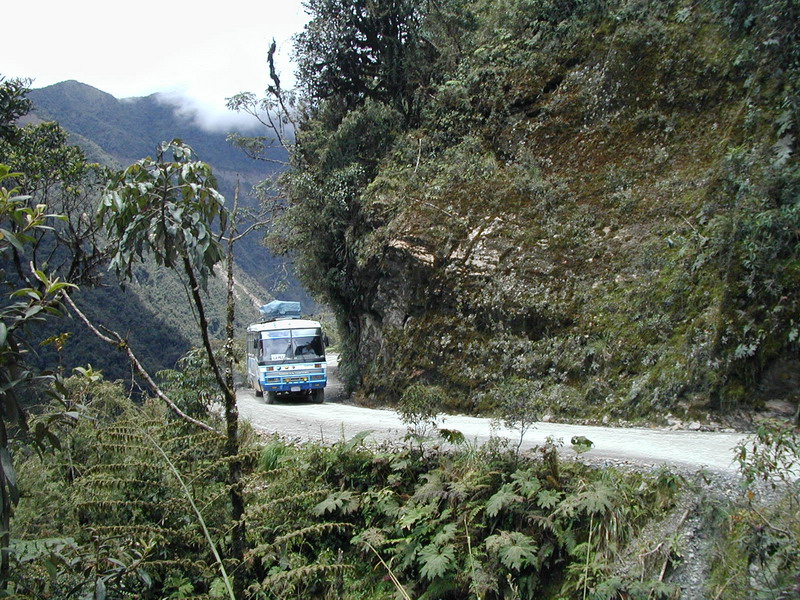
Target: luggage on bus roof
[{"x": 280, "y": 309}]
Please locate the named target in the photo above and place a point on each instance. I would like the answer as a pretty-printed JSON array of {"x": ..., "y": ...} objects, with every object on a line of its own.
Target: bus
[{"x": 286, "y": 355}]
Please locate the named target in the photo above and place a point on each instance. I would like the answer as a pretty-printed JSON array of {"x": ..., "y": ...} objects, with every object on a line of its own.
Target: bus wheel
[
  {"x": 318, "y": 396},
  {"x": 271, "y": 397}
]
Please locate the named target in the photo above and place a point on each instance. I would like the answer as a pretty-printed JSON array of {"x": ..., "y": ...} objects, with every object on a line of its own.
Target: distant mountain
[
  {"x": 119, "y": 132},
  {"x": 151, "y": 312},
  {"x": 131, "y": 128}
]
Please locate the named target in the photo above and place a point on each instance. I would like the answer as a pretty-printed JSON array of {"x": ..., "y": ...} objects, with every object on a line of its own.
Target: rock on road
[{"x": 334, "y": 421}]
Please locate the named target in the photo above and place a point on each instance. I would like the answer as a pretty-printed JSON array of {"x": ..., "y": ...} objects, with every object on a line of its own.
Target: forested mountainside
[
  {"x": 596, "y": 201},
  {"x": 150, "y": 311},
  {"x": 120, "y": 132},
  {"x": 131, "y": 128}
]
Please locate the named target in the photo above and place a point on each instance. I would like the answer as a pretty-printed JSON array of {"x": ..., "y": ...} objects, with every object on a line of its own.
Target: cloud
[
  {"x": 207, "y": 116},
  {"x": 181, "y": 51}
]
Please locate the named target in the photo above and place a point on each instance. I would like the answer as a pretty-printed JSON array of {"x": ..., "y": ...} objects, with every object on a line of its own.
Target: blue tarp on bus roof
[{"x": 280, "y": 309}]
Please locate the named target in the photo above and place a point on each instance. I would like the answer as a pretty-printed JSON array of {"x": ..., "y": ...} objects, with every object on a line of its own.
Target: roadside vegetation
[
  {"x": 588, "y": 208},
  {"x": 137, "y": 509}
]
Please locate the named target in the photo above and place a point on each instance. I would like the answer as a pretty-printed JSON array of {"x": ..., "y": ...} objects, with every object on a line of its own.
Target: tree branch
[{"x": 121, "y": 344}]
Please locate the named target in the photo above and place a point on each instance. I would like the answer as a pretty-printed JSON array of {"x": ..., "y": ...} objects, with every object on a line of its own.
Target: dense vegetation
[
  {"x": 139, "y": 512},
  {"x": 520, "y": 205},
  {"x": 599, "y": 196},
  {"x": 61, "y": 176},
  {"x": 133, "y": 505}
]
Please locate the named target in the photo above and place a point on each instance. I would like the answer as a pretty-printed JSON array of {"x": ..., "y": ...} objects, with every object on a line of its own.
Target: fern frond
[
  {"x": 169, "y": 533},
  {"x": 159, "y": 504},
  {"x": 120, "y": 432},
  {"x": 114, "y": 467},
  {"x": 126, "y": 448},
  {"x": 190, "y": 449},
  {"x": 285, "y": 577},
  {"x": 268, "y": 506},
  {"x": 200, "y": 566},
  {"x": 299, "y": 534}
]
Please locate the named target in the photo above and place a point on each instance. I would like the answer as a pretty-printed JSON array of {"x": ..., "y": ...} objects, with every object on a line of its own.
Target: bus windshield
[{"x": 304, "y": 345}]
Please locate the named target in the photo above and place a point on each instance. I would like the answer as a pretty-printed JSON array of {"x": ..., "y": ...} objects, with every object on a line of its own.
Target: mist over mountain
[
  {"x": 131, "y": 128},
  {"x": 119, "y": 132}
]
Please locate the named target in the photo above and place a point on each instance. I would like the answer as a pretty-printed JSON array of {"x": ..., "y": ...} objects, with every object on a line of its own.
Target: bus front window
[
  {"x": 307, "y": 344},
  {"x": 276, "y": 346}
]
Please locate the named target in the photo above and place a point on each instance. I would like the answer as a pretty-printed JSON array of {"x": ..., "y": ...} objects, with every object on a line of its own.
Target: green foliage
[
  {"x": 357, "y": 50},
  {"x": 758, "y": 547},
  {"x": 598, "y": 196},
  {"x": 115, "y": 503},
  {"x": 27, "y": 306},
  {"x": 124, "y": 503},
  {"x": 514, "y": 549},
  {"x": 166, "y": 208},
  {"x": 462, "y": 524},
  {"x": 14, "y": 104},
  {"x": 518, "y": 405},
  {"x": 419, "y": 406},
  {"x": 191, "y": 385},
  {"x": 771, "y": 455}
]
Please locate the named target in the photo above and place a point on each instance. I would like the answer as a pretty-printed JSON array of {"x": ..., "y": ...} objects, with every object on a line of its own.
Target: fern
[
  {"x": 548, "y": 498},
  {"x": 502, "y": 499},
  {"x": 446, "y": 534},
  {"x": 596, "y": 500},
  {"x": 279, "y": 581},
  {"x": 783, "y": 150},
  {"x": 266, "y": 507},
  {"x": 436, "y": 561},
  {"x": 344, "y": 502},
  {"x": 515, "y": 549},
  {"x": 526, "y": 483},
  {"x": 300, "y": 535}
]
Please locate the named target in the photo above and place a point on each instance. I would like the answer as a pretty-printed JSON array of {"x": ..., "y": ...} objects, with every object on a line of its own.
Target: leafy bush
[
  {"x": 475, "y": 523},
  {"x": 758, "y": 549}
]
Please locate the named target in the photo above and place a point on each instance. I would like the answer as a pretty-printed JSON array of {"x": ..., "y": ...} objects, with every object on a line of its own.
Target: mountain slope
[
  {"x": 132, "y": 128},
  {"x": 149, "y": 310},
  {"x": 120, "y": 132},
  {"x": 594, "y": 203}
]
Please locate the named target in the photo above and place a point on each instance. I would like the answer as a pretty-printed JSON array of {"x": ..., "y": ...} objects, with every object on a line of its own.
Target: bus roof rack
[{"x": 280, "y": 309}]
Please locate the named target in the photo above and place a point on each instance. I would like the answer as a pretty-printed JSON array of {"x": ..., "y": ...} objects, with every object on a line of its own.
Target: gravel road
[{"x": 333, "y": 421}]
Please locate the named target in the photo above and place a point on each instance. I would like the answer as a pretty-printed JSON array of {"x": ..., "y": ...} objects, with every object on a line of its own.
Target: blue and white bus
[{"x": 286, "y": 355}]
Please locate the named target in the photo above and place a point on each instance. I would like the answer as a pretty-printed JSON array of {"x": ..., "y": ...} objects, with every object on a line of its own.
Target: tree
[
  {"x": 362, "y": 49},
  {"x": 54, "y": 173},
  {"x": 168, "y": 208},
  {"x": 13, "y": 105},
  {"x": 418, "y": 408},
  {"x": 25, "y": 224},
  {"x": 29, "y": 305},
  {"x": 518, "y": 405}
]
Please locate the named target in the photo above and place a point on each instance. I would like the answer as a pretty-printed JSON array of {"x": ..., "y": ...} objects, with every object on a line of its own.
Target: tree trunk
[
  {"x": 232, "y": 410},
  {"x": 232, "y": 432},
  {"x": 5, "y": 519}
]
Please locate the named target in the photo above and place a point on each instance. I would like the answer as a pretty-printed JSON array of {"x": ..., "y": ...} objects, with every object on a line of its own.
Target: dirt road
[{"x": 332, "y": 421}]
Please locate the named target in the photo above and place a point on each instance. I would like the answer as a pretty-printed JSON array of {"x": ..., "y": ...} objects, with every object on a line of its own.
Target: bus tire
[
  {"x": 318, "y": 396},
  {"x": 270, "y": 398}
]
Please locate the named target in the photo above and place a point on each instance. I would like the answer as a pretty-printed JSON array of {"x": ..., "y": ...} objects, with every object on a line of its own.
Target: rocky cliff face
[{"x": 604, "y": 201}]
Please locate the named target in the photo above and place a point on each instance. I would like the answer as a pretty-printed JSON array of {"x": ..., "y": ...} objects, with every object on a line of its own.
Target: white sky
[{"x": 140, "y": 47}]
